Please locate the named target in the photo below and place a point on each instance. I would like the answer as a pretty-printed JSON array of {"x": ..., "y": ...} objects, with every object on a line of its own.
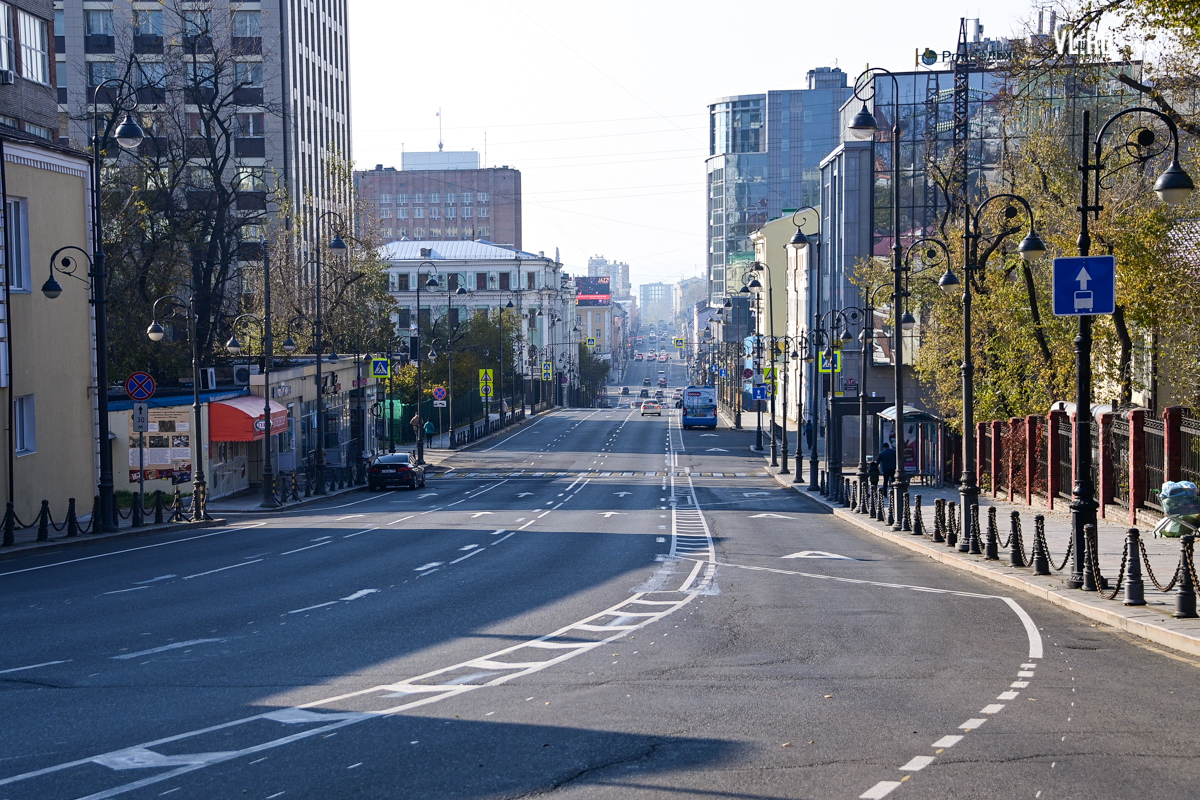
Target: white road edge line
[
  {"x": 298, "y": 549},
  {"x": 31, "y": 666},
  {"x": 222, "y": 569},
  {"x": 163, "y": 649}
]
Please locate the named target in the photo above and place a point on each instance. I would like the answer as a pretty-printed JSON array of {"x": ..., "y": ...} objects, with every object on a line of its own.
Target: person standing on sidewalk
[
  {"x": 429, "y": 431},
  {"x": 887, "y": 465}
]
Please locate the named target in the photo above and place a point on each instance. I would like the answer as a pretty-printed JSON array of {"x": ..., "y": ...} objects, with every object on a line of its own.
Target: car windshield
[{"x": 393, "y": 458}]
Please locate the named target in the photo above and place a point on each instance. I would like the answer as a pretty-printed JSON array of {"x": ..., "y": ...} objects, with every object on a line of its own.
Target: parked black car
[{"x": 395, "y": 469}]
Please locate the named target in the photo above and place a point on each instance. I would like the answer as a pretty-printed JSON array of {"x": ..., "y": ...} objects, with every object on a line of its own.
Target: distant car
[
  {"x": 636, "y": 404},
  {"x": 624, "y": 390},
  {"x": 662, "y": 357},
  {"x": 395, "y": 469},
  {"x": 637, "y": 357},
  {"x": 644, "y": 393},
  {"x": 658, "y": 395},
  {"x": 645, "y": 381},
  {"x": 651, "y": 407},
  {"x": 662, "y": 381}
]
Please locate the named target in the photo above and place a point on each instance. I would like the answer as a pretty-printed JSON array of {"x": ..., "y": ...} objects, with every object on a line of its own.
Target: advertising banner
[
  {"x": 593, "y": 292},
  {"x": 168, "y": 451}
]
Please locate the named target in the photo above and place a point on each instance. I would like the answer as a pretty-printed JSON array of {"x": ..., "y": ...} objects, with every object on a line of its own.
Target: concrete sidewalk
[{"x": 1153, "y": 621}]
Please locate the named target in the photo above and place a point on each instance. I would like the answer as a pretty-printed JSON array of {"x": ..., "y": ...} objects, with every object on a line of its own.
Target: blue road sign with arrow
[
  {"x": 1085, "y": 285},
  {"x": 760, "y": 392}
]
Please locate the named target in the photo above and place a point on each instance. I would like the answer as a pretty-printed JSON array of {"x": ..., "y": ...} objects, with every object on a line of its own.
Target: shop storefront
[{"x": 239, "y": 434}]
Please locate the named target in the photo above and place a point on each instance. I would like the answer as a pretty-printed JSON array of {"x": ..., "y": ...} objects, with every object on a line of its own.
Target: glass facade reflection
[{"x": 764, "y": 161}]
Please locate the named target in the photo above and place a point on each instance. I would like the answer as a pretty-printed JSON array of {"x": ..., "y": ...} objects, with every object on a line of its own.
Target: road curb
[
  {"x": 33, "y": 548},
  {"x": 1145, "y": 624}
]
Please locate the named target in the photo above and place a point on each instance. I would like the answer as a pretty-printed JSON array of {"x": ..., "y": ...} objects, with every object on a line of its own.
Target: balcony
[
  {"x": 250, "y": 148},
  {"x": 248, "y": 96},
  {"x": 99, "y": 43},
  {"x": 151, "y": 95},
  {"x": 147, "y": 43},
  {"x": 106, "y": 96},
  {"x": 155, "y": 147},
  {"x": 197, "y": 44},
  {"x": 201, "y": 96},
  {"x": 247, "y": 45},
  {"x": 252, "y": 201}
]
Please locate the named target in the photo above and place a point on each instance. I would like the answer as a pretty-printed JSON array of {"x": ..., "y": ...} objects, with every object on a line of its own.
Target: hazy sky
[{"x": 602, "y": 106}]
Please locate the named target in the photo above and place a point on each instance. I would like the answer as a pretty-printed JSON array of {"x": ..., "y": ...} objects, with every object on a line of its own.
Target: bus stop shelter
[{"x": 922, "y": 453}]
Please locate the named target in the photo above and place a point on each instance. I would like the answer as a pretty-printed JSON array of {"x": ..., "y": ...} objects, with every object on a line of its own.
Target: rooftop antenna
[
  {"x": 439, "y": 116},
  {"x": 485, "y": 161}
]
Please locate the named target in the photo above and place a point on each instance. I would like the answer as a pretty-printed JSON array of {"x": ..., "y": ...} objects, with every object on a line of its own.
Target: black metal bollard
[
  {"x": 905, "y": 513},
  {"x": 939, "y": 521},
  {"x": 1041, "y": 559},
  {"x": 952, "y": 526},
  {"x": 9, "y": 532},
  {"x": 177, "y": 506},
  {"x": 1090, "y": 578},
  {"x": 97, "y": 525},
  {"x": 1185, "y": 597},
  {"x": 1016, "y": 547},
  {"x": 1134, "y": 588},
  {"x": 964, "y": 531},
  {"x": 72, "y": 520},
  {"x": 918, "y": 524},
  {"x": 845, "y": 492},
  {"x": 158, "y": 507},
  {"x": 891, "y": 507},
  {"x": 881, "y": 505},
  {"x": 135, "y": 513},
  {"x": 992, "y": 545},
  {"x": 44, "y": 522}
]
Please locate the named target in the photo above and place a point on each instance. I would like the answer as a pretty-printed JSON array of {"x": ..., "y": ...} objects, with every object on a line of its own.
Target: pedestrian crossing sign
[
  {"x": 547, "y": 370},
  {"x": 485, "y": 376},
  {"x": 591, "y": 341},
  {"x": 380, "y": 367},
  {"x": 679, "y": 341},
  {"x": 831, "y": 366}
]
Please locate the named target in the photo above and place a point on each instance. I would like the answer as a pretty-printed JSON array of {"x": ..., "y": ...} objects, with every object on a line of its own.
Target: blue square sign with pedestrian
[{"x": 1085, "y": 285}]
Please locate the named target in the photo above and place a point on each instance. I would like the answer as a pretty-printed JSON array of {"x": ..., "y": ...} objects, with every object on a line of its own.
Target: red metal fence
[{"x": 1032, "y": 458}]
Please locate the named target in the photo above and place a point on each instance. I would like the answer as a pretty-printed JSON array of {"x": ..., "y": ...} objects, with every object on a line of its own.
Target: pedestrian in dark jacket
[
  {"x": 887, "y": 465},
  {"x": 808, "y": 432}
]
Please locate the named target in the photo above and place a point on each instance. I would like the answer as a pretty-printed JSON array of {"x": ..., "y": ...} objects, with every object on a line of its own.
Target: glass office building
[{"x": 764, "y": 157}]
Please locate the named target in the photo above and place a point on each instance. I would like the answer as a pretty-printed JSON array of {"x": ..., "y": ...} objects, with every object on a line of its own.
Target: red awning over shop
[{"x": 241, "y": 419}]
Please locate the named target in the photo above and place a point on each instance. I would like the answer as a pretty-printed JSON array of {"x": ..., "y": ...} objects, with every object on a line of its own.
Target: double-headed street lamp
[
  {"x": 338, "y": 244},
  {"x": 415, "y": 350},
  {"x": 1031, "y": 248},
  {"x": 863, "y": 127},
  {"x": 513, "y": 294},
  {"x": 1173, "y": 186},
  {"x": 867, "y": 337},
  {"x": 834, "y": 326},
  {"x": 451, "y": 328},
  {"x": 175, "y": 304},
  {"x": 385, "y": 345}
]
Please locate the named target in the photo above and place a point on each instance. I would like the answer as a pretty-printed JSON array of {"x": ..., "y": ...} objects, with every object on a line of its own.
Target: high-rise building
[
  {"x": 28, "y": 97},
  {"x": 443, "y": 196},
  {"x": 764, "y": 160},
  {"x": 289, "y": 61},
  {"x": 616, "y": 271},
  {"x": 655, "y": 303}
]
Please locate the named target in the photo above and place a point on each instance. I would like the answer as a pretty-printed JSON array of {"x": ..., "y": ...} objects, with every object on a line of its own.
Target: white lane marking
[
  {"x": 525, "y": 494},
  {"x": 323, "y": 538},
  {"x": 299, "y": 549},
  {"x": 489, "y": 513},
  {"x": 515, "y": 435},
  {"x": 502, "y": 538},
  {"x": 607, "y": 514},
  {"x": 488, "y": 489},
  {"x": 402, "y": 519},
  {"x": 1029, "y": 666},
  {"x": 356, "y": 502},
  {"x": 1008, "y": 695},
  {"x": 159, "y": 578},
  {"x": 1024, "y": 674},
  {"x": 947, "y": 741},
  {"x": 468, "y": 555},
  {"x": 993, "y": 708},
  {"x": 358, "y": 594},
  {"x": 819, "y": 554},
  {"x": 456, "y": 502},
  {"x": 572, "y": 486},
  {"x": 879, "y": 790},
  {"x": 917, "y": 763},
  {"x": 500, "y": 531},
  {"x": 360, "y": 533},
  {"x": 544, "y": 513},
  {"x": 31, "y": 666},
  {"x": 310, "y": 608},
  {"x": 430, "y": 565},
  {"x": 349, "y": 516},
  {"x": 468, "y": 547},
  {"x": 972, "y": 724},
  {"x": 1019, "y": 684},
  {"x": 1035, "y": 638},
  {"x": 221, "y": 532},
  {"x": 134, "y": 589},
  {"x": 163, "y": 649},
  {"x": 427, "y": 494},
  {"x": 221, "y": 569},
  {"x": 527, "y": 524}
]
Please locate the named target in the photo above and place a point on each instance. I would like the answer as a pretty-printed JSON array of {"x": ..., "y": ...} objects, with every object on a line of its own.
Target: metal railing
[
  {"x": 1189, "y": 447},
  {"x": 1117, "y": 448},
  {"x": 1154, "y": 438},
  {"x": 1064, "y": 473}
]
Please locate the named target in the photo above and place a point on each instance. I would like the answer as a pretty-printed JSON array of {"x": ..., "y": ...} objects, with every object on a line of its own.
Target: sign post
[{"x": 141, "y": 424}]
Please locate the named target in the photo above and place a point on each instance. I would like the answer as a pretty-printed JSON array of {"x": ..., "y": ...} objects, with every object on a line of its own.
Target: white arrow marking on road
[
  {"x": 622, "y": 494},
  {"x": 430, "y": 565},
  {"x": 707, "y": 434},
  {"x": 1083, "y": 278},
  {"x": 716, "y": 450},
  {"x": 429, "y": 494},
  {"x": 818, "y": 554},
  {"x": 480, "y": 514},
  {"x": 360, "y": 593},
  {"x": 607, "y": 514},
  {"x": 468, "y": 547},
  {"x": 771, "y": 516},
  {"x": 755, "y": 494},
  {"x": 525, "y": 494}
]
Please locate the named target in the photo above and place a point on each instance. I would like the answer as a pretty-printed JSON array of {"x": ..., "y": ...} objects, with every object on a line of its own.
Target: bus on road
[{"x": 700, "y": 407}]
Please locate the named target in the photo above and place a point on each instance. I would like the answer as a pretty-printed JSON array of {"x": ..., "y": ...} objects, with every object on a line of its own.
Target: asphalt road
[{"x": 562, "y": 615}]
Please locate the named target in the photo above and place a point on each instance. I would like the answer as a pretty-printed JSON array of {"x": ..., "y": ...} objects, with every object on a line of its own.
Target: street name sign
[{"x": 1085, "y": 285}]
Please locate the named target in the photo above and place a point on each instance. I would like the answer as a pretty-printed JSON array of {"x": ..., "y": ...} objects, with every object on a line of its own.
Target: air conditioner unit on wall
[
  {"x": 7, "y": 77},
  {"x": 241, "y": 375},
  {"x": 208, "y": 379}
]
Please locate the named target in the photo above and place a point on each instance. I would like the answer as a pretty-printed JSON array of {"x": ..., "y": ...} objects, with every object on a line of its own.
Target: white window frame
[
  {"x": 17, "y": 244},
  {"x": 7, "y": 60},
  {"x": 25, "y": 425},
  {"x": 35, "y": 48}
]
